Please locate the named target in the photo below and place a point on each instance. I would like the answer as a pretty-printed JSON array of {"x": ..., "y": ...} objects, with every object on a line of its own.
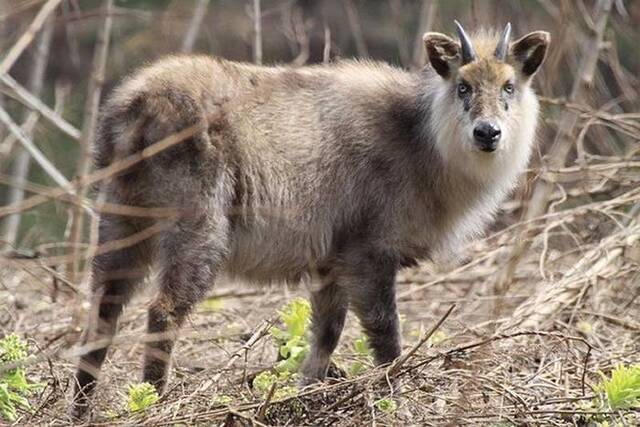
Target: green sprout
[
  {"x": 211, "y": 304},
  {"x": 222, "y": 400},
  {"x": 585, "y": 327},
  {"x": 13, "y": 349},
  {"x": 293, "y": 346},
  {"x": 292, "y": 341},
  {"x": 438, "y": 337},
  {"x": 14, "y": 384},
  {"x": 141, "y": 396},
  {"x": 364, "y": 355},
  {"x": 622, "y": 389},
  {"x": 264, "y": 381},
  {"x": 284, "y": 392},
  {"x": 280, "y": 382},
  {"x": 388, "y": 406}
]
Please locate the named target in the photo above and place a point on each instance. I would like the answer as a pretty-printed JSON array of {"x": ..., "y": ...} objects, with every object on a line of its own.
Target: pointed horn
[
  {"x": 503, "y": 45},
  {"x": 468, "y": 54}
]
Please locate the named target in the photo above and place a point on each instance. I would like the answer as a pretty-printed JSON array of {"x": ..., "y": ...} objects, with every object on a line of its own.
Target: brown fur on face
[
  {"x": 484, "y": 91},
  {"x": 487, "y": 77},
  {"x": 341, "y": 172}
]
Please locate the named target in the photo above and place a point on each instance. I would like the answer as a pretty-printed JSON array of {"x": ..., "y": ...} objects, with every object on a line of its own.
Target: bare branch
[
  {"x": 35, "y": 152},
  {"x": 257, "y": 32},
  {"x": 554, "y": 296},
  {"x": 195, "y": 23},
  {"x": 396, "y": 7},
  {"x": 27, "y": 37},
  {"x": 20, "y": 168},
  {"x": 89, "y": 124},
  {"x": 562, "y": 143},
  {"x": 104, "y": 173},
  {"x": 326, "y": 51},
  {"x": 400, "y": 361},
  {"x": 32, "y": 102},
  {"x": 71, "y": 38},
  {"x": 295, "y": 29},
  {"x": 427, "y": 14},
  {"x": 356, "y": 28}
]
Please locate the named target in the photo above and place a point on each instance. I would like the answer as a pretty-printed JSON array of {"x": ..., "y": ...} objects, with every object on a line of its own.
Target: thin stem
[
  {"x": 257, "y": 31},
  {"x": 20, "y": 169},
  {"x": 27, "y": 37},
  {"x": 88, "y": 131},
  {"x": 195, "y": 23}
]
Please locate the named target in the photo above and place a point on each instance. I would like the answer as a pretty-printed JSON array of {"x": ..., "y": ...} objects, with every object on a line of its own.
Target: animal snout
[{"x": 487, "y": 135}]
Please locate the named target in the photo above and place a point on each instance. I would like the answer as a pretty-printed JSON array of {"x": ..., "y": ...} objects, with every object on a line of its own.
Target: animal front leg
[
  {"x": 329, "y": 306},
  {"x": 372, "y": 295}
]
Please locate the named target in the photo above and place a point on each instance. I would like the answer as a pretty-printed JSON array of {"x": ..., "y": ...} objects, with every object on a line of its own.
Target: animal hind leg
[
  {"x": 116, "y": 276},
  {"x": 189, "y": 261}
]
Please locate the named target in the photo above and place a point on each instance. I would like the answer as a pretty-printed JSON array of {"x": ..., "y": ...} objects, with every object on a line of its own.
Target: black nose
[{"x": 487, "y": 136}]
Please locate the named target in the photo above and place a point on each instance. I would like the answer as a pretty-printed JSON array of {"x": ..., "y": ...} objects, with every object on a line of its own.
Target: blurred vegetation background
[
  {"x": 293, "y": 32},
  {"x": 551, "y": 292}
]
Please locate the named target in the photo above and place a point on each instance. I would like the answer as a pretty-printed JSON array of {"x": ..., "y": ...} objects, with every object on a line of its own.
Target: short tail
[{"x": 128, "y": 127}]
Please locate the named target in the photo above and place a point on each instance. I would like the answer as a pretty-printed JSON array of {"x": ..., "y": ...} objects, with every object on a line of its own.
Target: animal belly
[{"x": 266, "y": 254}]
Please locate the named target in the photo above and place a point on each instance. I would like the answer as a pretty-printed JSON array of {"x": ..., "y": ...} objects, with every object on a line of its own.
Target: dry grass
[
  {"x": 543, "y": 304},
  {"x": 486, "y": 372}
]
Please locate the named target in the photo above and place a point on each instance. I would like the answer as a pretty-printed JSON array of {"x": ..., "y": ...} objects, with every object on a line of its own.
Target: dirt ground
[
  {"x": 542, "y": 308},
  {"x": 485, "y": 365}
]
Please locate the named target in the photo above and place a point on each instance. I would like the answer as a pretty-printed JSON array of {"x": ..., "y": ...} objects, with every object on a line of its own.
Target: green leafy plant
[
  {"x": 585, "y": 327},
  {"x": 388, "y": 406},
  {"x": 211, "y": 304},
  {"x": 14, "y": 384},
  {"x": 622, "y": 389},
  {"x": 292, "y": 341},
  {"x": 363, "y": 354},
  {"x": 264, "y": 381},
  {"x": 222, "y": 400},
  {"x": 293, "y": 346},
  {"x": 141, "y": 396},
  {"x": 285, "y": 392},
  {"x": 13, "y": 349},
  {"x": 437, "y": 338},
  {"x": 284, "y": 389}
]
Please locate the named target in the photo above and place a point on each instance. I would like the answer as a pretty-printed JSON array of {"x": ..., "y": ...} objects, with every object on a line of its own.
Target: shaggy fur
[{"x": 344, "y": 172}]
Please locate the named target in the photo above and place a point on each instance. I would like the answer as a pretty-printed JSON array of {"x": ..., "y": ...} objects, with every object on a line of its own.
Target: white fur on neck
[{"x": 478, "y": 182}]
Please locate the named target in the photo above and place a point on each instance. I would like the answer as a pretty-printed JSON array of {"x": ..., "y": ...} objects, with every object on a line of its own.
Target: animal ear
[
  {"x": 442, "y": 51},
  {"x": 530, "y": 51}
]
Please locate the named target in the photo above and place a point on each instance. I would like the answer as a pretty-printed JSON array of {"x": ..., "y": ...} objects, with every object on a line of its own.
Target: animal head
[{"x": 483, "y": 107}]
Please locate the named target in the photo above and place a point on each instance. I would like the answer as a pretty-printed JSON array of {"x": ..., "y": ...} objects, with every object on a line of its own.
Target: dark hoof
[
  {"x": 78, "y": 412},
  {"x": 336, "y": 372},
  {"x": 307, "y": 381}
]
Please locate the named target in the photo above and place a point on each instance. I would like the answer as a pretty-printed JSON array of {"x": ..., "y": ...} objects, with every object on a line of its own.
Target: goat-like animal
[{"x": 343, "y": 172}]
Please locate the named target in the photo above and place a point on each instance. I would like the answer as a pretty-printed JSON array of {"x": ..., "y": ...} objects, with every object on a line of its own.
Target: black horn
[
  {"x": 468, "y": 54},
  {"x": 503, "y": 45}
]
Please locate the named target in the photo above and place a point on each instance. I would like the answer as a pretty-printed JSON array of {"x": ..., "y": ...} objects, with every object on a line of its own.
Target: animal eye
[
  {"x": 509, "y": 88},
  {"x": 463, "y": 89}
]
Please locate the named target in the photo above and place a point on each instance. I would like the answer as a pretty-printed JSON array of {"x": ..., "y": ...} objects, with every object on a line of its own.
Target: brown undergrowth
[
  {"x": 480, "y": 367},
  {"x": 545, "y": 306}
]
